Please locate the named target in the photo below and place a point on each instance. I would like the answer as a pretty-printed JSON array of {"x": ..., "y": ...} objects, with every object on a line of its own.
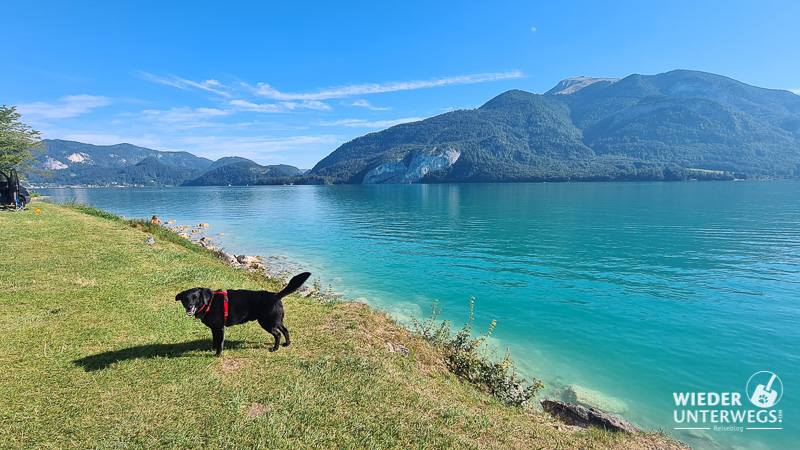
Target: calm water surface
[{"x": 635, "y": 290}]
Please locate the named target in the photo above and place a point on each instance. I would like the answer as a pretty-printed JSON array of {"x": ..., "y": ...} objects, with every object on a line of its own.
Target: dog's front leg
[{"x": 218, "y": 335}]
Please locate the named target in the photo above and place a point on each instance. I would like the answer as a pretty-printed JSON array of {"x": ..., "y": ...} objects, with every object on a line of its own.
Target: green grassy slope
[{"x": 96, "y": 353}]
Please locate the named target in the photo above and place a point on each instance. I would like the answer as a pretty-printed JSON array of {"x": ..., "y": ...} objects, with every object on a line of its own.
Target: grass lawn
[{"x": 96, "y": 352}]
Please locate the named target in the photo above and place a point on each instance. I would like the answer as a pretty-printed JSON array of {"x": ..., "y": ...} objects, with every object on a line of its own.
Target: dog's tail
[{"x": 294, "y": 284}]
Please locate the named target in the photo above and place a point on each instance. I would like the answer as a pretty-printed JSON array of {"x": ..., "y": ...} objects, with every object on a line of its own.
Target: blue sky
[{"x": 288, "y": 82}]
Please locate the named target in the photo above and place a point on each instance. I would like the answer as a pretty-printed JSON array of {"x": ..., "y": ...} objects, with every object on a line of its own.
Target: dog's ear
[
  {"x": 179, "y": 297},
  {"x": 206, "y": 294}
]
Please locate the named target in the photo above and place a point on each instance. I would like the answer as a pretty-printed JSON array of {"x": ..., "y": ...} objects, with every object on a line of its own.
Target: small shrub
[
  {"x": 474, "y": 360},
  {"x": 324, "y": 296}
]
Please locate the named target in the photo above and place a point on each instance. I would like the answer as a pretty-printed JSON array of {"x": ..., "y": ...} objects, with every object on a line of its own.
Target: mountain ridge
[
  {"x": 70, "y": 163},
  {"x": 571, "y": 85},
  {"x": 241, "y": 173},
  {"x": 676, "y": 125}
]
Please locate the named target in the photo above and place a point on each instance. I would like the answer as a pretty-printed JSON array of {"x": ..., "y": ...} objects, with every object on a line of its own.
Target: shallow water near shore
[{"x": 632, "y": 290}]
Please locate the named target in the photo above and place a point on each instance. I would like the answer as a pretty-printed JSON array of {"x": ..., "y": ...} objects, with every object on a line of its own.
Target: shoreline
[
  {"x": 276, "y": 267},
  {"x": 692, "y": 180},
  {"x": 248, "y": 233},
  {"x": 120, "y": 370},
  {"x": 163, "y": 234}
]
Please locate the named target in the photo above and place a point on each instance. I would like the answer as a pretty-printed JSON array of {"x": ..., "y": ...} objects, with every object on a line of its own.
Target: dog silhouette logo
[{"x": 764, "y": 389}]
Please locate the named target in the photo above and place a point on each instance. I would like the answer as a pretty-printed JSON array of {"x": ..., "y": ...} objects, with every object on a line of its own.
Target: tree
[{"x": 19, "y": 143}]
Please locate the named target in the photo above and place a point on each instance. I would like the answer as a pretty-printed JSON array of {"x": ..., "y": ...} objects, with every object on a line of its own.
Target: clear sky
[{"x": 288, "y": 82}]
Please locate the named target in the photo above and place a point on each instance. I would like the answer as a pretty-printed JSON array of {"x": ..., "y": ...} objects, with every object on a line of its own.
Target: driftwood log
[{"x": 585, "y": 417}]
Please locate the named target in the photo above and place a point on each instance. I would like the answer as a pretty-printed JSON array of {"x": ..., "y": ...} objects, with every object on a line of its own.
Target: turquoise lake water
[{"x": 635, "y": 290}]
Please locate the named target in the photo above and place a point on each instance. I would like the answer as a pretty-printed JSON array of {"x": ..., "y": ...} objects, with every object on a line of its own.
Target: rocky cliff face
[
  {"x": 412, "y": 168},
  {"x": 571, "y": 85}
]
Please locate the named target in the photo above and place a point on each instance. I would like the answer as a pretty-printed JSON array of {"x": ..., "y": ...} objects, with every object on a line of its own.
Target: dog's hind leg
[
  {"x": 273, "y": 330},
  {"x": 285, "y": 335},
  {"x": 219, "y": 339},
  {"x": 277, "y": 335}
]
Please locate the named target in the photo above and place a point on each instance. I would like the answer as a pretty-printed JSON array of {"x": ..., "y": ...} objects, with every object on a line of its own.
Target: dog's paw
[{"x": 273, "y": 349}]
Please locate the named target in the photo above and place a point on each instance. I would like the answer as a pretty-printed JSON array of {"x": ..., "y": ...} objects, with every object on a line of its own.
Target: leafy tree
[{"x": 19, "y": 143}]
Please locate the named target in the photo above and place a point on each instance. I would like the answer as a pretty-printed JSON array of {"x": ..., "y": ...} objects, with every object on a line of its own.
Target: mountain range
[
  {"x": 68, "y": 163},
  {"x": 673, "y": 126},
  {"x": 676, "y": 125}
]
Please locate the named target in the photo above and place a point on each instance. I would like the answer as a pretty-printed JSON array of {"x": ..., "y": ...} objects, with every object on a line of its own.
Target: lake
[{"x": 633, "y": 290}]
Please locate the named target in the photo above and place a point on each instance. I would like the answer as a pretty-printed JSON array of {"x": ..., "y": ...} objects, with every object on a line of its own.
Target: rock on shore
[
  {"x": 276, "y": 268},
  {"x": 587, "y": 417},
  {"x": 592, "y": 399}
]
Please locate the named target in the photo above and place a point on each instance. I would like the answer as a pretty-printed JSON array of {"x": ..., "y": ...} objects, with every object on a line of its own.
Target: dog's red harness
[{"x": 207, "y": 307}]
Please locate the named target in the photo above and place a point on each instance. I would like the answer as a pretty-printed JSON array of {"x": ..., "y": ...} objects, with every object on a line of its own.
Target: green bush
[{"x": 474, "y": 360}]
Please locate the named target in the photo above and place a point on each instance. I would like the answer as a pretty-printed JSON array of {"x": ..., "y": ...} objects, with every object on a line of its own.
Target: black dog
[{"x": 220, "y": 309}]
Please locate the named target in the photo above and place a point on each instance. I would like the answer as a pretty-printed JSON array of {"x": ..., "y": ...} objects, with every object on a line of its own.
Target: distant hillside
[
  {"x": 148, "y": 172},
  {"x": 77, "y": 164},
  {"x": 676, "y": 125},
  {"x": 242, "y": 173},
  {"x": 68, "y": 153},
  {"x": 227, "y": 160}
]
